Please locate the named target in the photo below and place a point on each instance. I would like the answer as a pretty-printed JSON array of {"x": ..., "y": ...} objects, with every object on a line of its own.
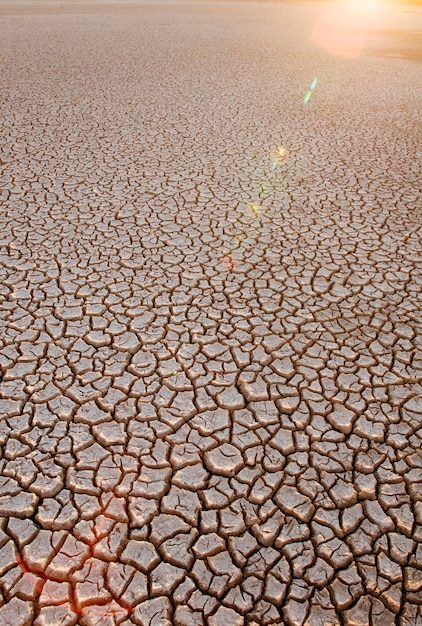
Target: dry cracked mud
[{"x": 210, "y": 321}]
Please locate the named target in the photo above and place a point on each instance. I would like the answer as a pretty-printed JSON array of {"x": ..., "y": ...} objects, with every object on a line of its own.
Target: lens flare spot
[
  {"x": 278, "y": 155},
  {"x": 307, "y": 97},
  {"x": 228, "y": 262},
  {"x": 264, "y": 189}
]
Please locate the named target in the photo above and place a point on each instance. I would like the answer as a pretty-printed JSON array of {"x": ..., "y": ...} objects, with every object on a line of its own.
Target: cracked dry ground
[{"x": 189, "y": 440}]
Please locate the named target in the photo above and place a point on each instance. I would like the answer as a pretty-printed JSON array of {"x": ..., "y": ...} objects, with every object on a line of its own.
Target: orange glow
[
  {"x": 228, "y": 262},
  {"x": 50, "y": 592},
  {"x": 342, "y": 29}
]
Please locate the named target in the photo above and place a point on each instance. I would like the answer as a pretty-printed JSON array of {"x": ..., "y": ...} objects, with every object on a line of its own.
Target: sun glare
[{"x": 342, "y": 29}]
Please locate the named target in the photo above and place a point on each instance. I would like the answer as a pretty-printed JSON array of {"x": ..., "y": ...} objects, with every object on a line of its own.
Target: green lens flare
[{"x": 307, "y": 97}]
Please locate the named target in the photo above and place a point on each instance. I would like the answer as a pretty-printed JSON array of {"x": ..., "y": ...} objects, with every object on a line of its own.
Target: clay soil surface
[{"x": 210, "y": 314}]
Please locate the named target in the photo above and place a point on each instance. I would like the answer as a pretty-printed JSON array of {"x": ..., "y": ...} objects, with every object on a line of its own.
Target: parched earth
[{"x": 210, "y": 310}]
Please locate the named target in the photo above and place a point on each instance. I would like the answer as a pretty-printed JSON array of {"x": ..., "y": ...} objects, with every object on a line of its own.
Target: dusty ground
[{"x": 210, "y": 317}]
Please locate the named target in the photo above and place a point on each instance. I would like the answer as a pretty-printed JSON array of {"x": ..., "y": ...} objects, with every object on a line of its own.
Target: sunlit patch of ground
[{"x": 397, "y": 44}]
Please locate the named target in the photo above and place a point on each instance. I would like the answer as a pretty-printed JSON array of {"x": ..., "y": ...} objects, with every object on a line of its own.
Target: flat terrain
[{"x": 210, "y": 308}]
